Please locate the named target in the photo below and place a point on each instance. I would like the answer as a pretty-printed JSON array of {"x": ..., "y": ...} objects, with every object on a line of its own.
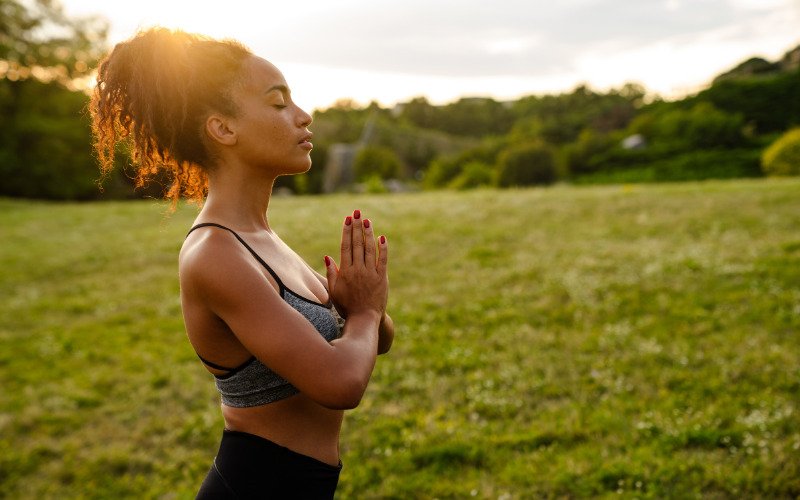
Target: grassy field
[{"x": 634, "y": 341}]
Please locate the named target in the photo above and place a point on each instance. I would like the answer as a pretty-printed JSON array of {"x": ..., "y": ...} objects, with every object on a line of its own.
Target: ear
[{"x": 219, "y": 130}]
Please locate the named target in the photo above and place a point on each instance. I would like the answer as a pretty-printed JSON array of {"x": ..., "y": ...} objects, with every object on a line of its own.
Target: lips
[{"x": 305, "y": 142}]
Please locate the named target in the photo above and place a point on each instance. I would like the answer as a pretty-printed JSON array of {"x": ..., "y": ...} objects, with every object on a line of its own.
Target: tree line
[
  {"x": 741, "y": 126},
  {"x": 737, "y": 127}
]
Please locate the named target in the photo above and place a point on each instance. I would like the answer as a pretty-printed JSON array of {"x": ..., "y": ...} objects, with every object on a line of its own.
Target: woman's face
[{"x": 271, "y": 130}]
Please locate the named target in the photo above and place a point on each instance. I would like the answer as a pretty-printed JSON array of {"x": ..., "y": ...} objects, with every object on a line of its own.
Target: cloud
[
  {"x": 391, "y": 50},
  {"x": 503, "y": 38}
]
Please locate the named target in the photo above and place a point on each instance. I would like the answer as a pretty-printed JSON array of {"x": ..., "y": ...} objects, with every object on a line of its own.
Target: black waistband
[{"x": 240, "y": 442}]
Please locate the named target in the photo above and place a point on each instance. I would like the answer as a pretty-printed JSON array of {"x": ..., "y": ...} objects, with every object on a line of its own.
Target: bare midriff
[{"x": 297, "y": 422}]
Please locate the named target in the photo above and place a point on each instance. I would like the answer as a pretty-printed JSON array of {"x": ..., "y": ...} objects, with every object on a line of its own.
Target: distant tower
[{"x": 339, "y": 171}]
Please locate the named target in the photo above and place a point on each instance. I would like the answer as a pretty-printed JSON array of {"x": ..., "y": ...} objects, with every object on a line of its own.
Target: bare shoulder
[
  {"x": 203, "y": 247},
  {"x": 202, "y": 251},
  {"x": 213, "y": 265}
]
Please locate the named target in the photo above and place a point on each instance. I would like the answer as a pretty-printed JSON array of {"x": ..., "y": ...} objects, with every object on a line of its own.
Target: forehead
[{"x": 261, "y": 75}]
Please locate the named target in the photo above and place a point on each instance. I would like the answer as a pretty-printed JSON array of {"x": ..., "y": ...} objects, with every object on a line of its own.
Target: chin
[
  {"x": 298, "y": 169},
  {"x": 304, "y": 169}
]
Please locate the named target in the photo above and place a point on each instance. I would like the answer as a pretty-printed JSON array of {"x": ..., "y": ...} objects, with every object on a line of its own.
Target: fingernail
[
  {"x": 366, "y": 223},
  {"x": 357, "y": 214},
  {"x": 327, "y": 261},
  {"x": 383, "y": 240},
  {"x": 348, "y": 220}
]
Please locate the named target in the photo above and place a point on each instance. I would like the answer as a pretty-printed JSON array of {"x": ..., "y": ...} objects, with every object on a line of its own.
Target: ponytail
[{"x": 153, "y": 94}]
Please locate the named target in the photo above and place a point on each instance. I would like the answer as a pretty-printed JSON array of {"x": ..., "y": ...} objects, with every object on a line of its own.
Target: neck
[{"x": 238, "y": 201}]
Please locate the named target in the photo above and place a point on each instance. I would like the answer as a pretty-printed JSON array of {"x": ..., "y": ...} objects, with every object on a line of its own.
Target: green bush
[
  {"x": 709, "y": 127},
  {"x": 474, "y": 174},
  {"x": 783, "y": 156},
  {"x": 769, "y": 103},
  {"x": 578, "y": 155},
  {"x": 445, "y": 169},
  {"x": 526, "y": 165},
  {"x": 374, "y": 185},
  {"x": 440, "y": 173},
  {"x": 377, "y": 161},
  {"x": 702, "y": 126},
  {"x": 689, "y": 166}
]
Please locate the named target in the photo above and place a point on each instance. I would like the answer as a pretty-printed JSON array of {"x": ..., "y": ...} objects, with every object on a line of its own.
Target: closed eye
[{"x": 285, "y": 95}]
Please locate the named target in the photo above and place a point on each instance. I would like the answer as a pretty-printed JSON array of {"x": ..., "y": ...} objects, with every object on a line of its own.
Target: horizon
[{"x": 390, "y": 54}]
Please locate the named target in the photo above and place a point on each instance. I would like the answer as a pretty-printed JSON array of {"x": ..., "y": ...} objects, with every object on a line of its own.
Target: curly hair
[{"x": 153, "y": 94}]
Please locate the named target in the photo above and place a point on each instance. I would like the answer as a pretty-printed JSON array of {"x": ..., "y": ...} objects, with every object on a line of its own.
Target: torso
[{"x": 296, "y": 422}]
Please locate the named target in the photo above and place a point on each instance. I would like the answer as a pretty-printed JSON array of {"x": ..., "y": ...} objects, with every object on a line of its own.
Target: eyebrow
[{"x": 283, "y": 88}]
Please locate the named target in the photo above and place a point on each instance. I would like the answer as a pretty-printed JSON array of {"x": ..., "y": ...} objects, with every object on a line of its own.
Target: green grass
[{"x": 562, "y": 342}]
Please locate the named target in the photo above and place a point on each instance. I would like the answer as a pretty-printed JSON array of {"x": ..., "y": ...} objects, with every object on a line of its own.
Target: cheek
[{"x": 280, "y": 130}]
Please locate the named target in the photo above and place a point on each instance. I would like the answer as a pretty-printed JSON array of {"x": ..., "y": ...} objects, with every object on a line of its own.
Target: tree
[
  {"x": 768, "y": 103},
  {"x": 45, "y": 153},
  {"x": 559, "y": 119},
  {"x": 45, "y": 142},
  {"x": 702, "y": 126},
  {"x": 420, "y": 112},
  {"x": 40, "y": 41},
  {"x": 469, "y": 116}
]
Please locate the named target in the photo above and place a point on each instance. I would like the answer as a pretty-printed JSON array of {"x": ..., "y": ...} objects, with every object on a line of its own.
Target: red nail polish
[
  {"x": 348, "y": 220},
  {"x": 357, "y": 214},
  {"x": 383, "y": 240},
  {"x": 327, "y": 261},
  {"x": 366, "y": 223}
]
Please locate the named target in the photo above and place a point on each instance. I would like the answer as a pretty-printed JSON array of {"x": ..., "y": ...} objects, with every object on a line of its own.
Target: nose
[{"x": 304, "y": 119}]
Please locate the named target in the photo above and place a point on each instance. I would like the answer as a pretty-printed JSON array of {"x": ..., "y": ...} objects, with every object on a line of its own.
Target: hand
[{"x": 361, "y": 284}]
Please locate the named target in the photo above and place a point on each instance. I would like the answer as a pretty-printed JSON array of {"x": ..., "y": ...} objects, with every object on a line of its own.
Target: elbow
[
  {"x": 351, "y": 392},
  {"x": 347, "y": 393},
  {"x": 345, "y": 404}
]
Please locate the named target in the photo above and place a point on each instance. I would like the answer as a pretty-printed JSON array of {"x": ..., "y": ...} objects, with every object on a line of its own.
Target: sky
[{"x": 392, "y": 51}]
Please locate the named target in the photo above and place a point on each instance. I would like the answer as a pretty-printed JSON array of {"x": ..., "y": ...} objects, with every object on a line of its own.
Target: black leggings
[{"x": 249, "y": 466}]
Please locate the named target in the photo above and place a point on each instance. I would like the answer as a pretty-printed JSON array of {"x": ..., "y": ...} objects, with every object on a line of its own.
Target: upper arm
[{"x": 232, "y": 285}]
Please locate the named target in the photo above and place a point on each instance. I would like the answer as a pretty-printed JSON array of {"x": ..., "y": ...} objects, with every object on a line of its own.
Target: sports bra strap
[
  {"x": 248, "y": 247},
  {"x": 220, "y": 367},
  {"x": 213, "y": 365}
]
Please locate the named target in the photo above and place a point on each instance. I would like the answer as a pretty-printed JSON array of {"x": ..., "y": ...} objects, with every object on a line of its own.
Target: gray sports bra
[{"x": 252, "y": 383}]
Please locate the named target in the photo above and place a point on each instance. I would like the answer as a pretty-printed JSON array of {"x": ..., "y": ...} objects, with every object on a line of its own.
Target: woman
[{"x": 221, "y": 120}]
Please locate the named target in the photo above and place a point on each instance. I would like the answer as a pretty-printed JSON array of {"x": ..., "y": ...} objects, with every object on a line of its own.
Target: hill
[{"x": 789, "y": 63}]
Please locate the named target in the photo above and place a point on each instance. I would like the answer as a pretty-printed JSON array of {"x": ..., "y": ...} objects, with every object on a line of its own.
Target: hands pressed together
[{"x": 359, "y": 285}]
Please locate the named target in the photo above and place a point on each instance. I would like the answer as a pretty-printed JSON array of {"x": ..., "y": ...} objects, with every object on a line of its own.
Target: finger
[
  {"x": 347, "y": 242},
  {"x": 358, "y": 239},
  {"x": 369, "y": 245},
  {"x": 383, "y": 255},
  {"x": 332, "y": 273}
]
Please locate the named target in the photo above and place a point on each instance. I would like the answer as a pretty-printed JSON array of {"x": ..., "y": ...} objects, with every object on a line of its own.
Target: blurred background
[
  {"x": 594, "y": 212},
  {"x": 443, "y": 94}
]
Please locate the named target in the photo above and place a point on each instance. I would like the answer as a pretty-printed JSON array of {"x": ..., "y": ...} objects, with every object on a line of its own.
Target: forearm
[{"x": 356, "y": 351}]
